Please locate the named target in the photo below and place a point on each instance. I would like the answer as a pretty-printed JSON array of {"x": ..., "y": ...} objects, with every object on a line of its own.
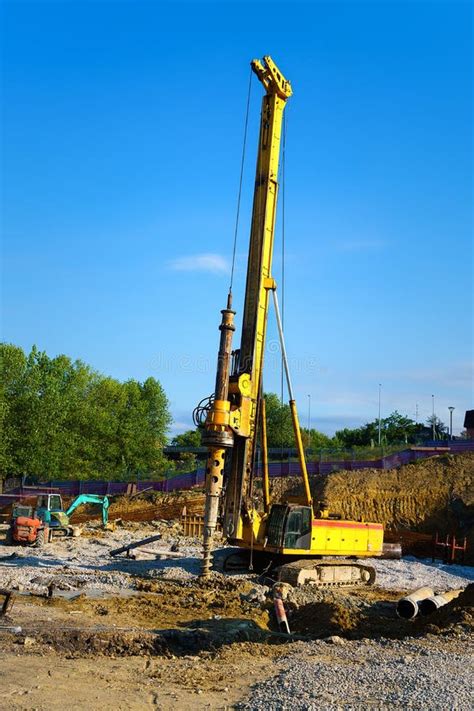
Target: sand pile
[{"x": 431, "y": 492}]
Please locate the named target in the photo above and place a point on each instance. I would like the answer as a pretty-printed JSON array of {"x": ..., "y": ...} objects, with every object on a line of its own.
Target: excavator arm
[{"x": 91, "y": 499}]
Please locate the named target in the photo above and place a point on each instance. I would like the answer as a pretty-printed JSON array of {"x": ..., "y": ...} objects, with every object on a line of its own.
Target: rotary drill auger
[{"x": 217, "y": 434}]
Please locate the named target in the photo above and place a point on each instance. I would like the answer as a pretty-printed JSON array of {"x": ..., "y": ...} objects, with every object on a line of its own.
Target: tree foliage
[
  {"x": 440, "y": 429},
  {"x": 63, "y": 420},
  {"x": 280, "y": 427},
  {"x": 190, "y": 438},
  {"x": 393, "y": 429}
]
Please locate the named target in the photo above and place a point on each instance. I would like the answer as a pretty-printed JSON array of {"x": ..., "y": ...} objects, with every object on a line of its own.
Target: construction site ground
[{"x": 147, "y": 633}]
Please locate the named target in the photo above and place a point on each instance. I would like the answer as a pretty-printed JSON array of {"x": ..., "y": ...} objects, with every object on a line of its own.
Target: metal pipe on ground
[
  {"x": 280, "y": 613},
  {"x": 407, "y": 607},
  {"x": 431, "y": 604}
]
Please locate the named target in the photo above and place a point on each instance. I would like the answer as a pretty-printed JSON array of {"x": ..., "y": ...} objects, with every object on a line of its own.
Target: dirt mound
[
  {"x": 167, "y": 604},
  {"x": 458, "y": 612},
  {"x": 424, "y": 492},
  {"x": 349, "y": 614},
  {"x": 371, "y": 614},
  {"x": 435, "y": 494},
  {"x": 149, "y": 506}
]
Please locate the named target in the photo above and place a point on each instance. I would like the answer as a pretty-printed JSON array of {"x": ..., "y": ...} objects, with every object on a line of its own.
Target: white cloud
[{"x": 214, "y": 263}]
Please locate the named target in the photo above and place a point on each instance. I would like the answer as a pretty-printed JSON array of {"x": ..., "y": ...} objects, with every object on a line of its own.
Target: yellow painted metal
[
  {"x": 219, "y": 414},
  {"x": 328, "y": 538},
  {"x": 346, "y": 538},
  {"x": 254, "y": 323},
  {"x": 301, "y": 455},
  {"x": 265, "y": 472}
]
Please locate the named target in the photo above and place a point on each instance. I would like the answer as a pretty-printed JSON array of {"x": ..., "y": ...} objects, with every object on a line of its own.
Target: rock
[
  {"x": 255, "y": 595},
  {"x": 282, "y": 589},
  {"x": 29, "y": 641},
  {"x": 335, "y": 639}
]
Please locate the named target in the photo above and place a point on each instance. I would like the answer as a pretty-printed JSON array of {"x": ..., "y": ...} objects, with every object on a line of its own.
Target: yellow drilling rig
[{"x": 304, "y": 542}]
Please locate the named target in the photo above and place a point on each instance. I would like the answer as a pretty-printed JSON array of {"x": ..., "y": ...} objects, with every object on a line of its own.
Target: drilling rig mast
[{"x": 233, "y": 415}]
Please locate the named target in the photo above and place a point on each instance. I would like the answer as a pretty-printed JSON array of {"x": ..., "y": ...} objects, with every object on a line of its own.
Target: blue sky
[{"x": 122, "y": 134}]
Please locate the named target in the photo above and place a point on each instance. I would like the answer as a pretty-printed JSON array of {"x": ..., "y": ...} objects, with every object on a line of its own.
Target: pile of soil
[
  {"x": 458, "y": 612},
  {"x": 149, "y": 506},
  {"x": 428, "y": 496},
  {"x": 354, "y": 614},
  {"x": 169, "y": 604},
  {"x": 371, "y": 614}
]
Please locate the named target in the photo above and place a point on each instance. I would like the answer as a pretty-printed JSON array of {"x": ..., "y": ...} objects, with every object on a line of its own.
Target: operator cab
[
  {"x": 46, "y": 505},
  {"x": 289, "y": 526}
]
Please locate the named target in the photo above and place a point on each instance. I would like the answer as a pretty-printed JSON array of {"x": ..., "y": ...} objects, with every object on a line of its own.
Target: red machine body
[{"x": 25, "y": 530}]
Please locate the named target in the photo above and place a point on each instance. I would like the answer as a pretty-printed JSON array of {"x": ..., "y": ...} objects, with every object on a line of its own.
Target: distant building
[{"x": 469, "y": 424}]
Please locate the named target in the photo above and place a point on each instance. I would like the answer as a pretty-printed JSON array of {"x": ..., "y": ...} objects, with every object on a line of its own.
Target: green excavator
[{"x": 49, "y": 519}]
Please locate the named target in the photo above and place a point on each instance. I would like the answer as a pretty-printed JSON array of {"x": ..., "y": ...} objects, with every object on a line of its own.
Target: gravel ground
[
  {"x": 411, "y": 573},
  {"x": 430, "y": 674},
  {"x": 83, "y": 563}
]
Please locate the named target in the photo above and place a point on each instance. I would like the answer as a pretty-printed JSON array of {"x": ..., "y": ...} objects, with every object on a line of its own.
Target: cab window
[
  {"x": 55, "y": 503},
  {"x": 298, "y": 525}
]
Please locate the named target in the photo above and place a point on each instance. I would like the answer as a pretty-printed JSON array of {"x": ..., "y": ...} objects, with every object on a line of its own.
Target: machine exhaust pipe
[
  {"x": 431, "y": 604},
  {"x": 407, "y": 607}
]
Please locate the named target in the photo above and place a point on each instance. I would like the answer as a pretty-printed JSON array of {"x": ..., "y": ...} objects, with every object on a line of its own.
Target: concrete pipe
[
  {"x": 431, "y": 604},
  {"x": 407, "y": 607}
]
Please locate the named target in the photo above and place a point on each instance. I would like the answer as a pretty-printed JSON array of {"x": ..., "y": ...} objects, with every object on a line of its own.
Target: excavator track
[{"x": 326, "y": 573}]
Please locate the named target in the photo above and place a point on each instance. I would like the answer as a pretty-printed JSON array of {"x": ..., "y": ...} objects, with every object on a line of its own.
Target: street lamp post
[
  {"x": 433, "y": 422},
  {"x": 309, "y": 418},
  {"x": 380, "y": 423},
  {"x": 451, "y": 408}
]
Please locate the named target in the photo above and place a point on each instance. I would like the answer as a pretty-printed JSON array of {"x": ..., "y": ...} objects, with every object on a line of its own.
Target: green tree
[
  {"x": 280, "y": 431},
  {"x": 279, "y": 422},
  {"x": 441, "y": 430},
  {"x": 61, "y": 419},
  {"x": 143, "y": 425},
  {"x": 394, "y": 429},
  {"x": 313, "y": 439},
  {"x": 191, "y": 438},
  {"x": 13, "y": 364}
]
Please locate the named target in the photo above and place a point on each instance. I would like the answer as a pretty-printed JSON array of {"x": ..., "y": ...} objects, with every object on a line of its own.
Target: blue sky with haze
[{"x": 122, "y": 135}]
